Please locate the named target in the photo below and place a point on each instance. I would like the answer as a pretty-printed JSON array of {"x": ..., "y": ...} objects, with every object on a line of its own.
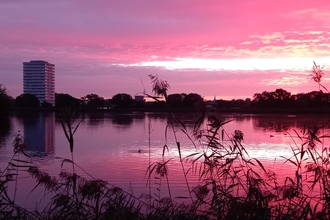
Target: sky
[{"x": 228, "y": 49}]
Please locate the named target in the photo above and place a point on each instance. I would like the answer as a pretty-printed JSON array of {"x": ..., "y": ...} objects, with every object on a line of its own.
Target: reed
[{"x": 160, "y": 88}]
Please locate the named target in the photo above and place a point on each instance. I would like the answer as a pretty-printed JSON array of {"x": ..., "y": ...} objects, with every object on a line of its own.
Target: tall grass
[
  {"x": 235, "y": 186},
  {"x": 17, "y": 164}
]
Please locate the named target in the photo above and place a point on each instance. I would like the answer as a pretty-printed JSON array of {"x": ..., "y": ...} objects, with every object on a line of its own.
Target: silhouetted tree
[
  {"x": 281, "y": 94},
  {"x": 193, "y": 100},
  {"x": 5, "y": 106},
  {"x": 176, "y": 100},
  {"x": 46, "y": 104},
  {"x": 280, "y": 98},
  {"x": 260, "y": 99},
  {"x": 5, "y": 101},
  {"x": 66, "y": 100},
  {"x": 27, "y": 101},
  {"x": 300, "y": 100},
  {"x": 317, "y": 99},
  {"x": 233, "y": 104},
  {"x": 94, "y": 101},
  {"x": 122, "y": 100}
]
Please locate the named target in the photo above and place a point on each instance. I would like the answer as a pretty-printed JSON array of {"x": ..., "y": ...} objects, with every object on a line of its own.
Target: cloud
[
  {"x": 286, "y": 80},
  {"x": 234, "y": 64},
  {"x": 106, "y": 46}
]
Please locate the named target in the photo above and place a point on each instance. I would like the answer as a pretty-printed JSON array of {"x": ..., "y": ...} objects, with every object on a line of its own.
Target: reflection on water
[
  {"x": 108, "y": 145},
  {"x": 282, "y": 123},
  {"x": 123, "y": 119},
  {"x": 39, "y": 133}
]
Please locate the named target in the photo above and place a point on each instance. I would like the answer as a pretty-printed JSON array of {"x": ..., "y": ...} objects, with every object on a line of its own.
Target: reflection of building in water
[{"x": 39, "y": 133}]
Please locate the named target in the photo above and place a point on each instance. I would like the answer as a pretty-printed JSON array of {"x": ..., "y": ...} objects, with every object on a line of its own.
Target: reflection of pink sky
[
  {"x": 207, "y": 47},
  {"x": 109, "y": 151}
]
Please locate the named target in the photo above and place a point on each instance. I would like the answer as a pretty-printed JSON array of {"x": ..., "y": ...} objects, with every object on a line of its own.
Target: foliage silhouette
[
  {"x": 93, "y": 101},
  {"x": 27, "y": 101},
  {"x": 66, "y": 101},
  {"x": 5, "y": 101},
  {"x": 122, "y": 100}
]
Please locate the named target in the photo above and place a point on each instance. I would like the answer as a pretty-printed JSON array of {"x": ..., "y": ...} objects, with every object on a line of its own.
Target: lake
[{"x": 119, "y": 148}]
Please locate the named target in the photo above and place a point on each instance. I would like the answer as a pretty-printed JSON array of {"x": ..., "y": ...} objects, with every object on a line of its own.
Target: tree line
[
  {"x": 94, "y": 101},
  {"x": 278, "y": 99}
]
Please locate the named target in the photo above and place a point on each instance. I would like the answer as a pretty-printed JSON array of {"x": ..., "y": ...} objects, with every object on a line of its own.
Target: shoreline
[{"x": 242, "y": 111}]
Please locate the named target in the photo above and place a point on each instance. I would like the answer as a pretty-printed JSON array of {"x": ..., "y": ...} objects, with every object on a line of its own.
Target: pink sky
[{"x": 231, "y": 49}]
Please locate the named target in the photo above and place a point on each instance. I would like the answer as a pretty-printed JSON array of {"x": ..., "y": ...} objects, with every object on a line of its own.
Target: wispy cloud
[{"x": 108, "y": 45}]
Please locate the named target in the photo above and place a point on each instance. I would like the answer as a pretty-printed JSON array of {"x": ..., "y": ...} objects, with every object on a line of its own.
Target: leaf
[
  {"x": 323, "y": 87},
  {"x": 179, "y": 121},
  {"x": 287, "y": 159},
  {"x": 77, "y": 126},
  {"x": 179, "y": 149},
  {"x": 151, "y": 168},
  {"x": 260, "y": 164},
  {"x": 66, "y": 161},
  {"x": 187, "y": 171},
  {"x": 298, "y": 133},
  {"x": 166, "y": 130},
  {"x": 164, "y": 148},
  {"x": 34, "y": 188},
  {"x": 199, "y": 122},
  {"x": 231, "y": 186},
  {"x": 312, "y": 156}
]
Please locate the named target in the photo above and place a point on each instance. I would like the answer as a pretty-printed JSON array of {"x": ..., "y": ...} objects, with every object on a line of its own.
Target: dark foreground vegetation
[{"x": 232, "y": 185}]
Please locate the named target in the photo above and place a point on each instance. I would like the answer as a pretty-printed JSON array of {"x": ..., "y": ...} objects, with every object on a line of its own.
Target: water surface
[{"x": 119, "y": 148}]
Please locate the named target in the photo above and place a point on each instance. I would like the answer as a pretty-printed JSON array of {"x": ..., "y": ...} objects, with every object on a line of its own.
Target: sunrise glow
[{"x": 282, "y": 64}]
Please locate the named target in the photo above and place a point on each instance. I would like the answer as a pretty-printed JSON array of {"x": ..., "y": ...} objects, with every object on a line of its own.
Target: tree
[
  {"x": 282, "y": 98},
  {"x": 193, "y": 100},
  {"x": 5, "y": 106},
  {"x": 176, "y": 100},
  {"x": 46, "y": 104},
  {"x": 278, "y": 99},
  {"x": 94, "y": 101},
  {"x": 122, "y": 100},
  {"x": 66, "y": 100},
  {"x": 5, "y": 101},
  {"x": 317, "y": 99},
  {"x": 27, "y": 101},
  {"x": 281, "y": 94}
]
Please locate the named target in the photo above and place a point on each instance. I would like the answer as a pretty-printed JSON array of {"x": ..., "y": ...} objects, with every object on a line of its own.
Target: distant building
[
  {"x": 139, "y": 98},
  {"x": 212, "y": 105},
  {"x": 39, "y": 80}
]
